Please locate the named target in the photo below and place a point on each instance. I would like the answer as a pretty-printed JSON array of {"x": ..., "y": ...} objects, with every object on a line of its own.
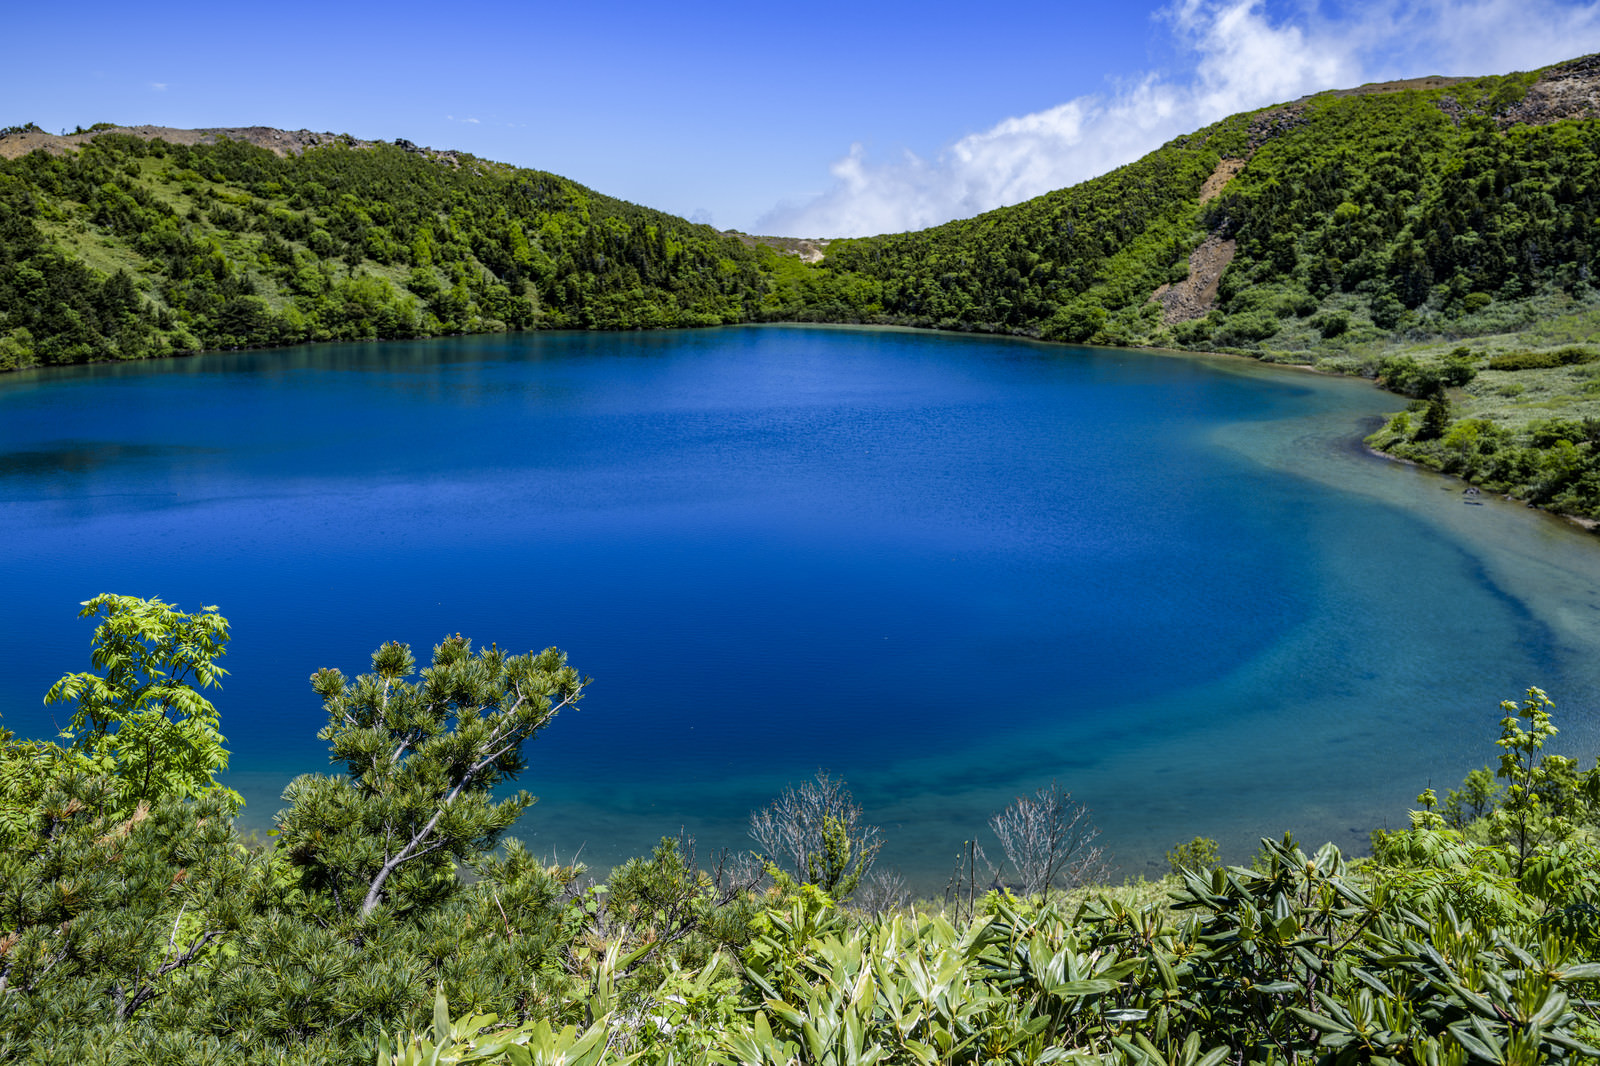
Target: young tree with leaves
[
  {"x": 142, "y": 720},
  {"x": 1524, "y": 818}
]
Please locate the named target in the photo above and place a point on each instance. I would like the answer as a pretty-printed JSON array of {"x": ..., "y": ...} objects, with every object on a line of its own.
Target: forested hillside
[
  {"x": 127, "y": 248},
  {"x": 1352, "y": 216},
  {"x": 1440, "y": 235}
]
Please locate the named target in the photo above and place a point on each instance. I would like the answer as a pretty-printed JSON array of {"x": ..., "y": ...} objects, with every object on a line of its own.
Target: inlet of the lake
[{"x": 948, "y": 569}]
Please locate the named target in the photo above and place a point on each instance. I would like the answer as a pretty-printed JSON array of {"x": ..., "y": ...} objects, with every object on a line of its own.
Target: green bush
[
  {"x": 1331, "y": 325},
  {"x": 1249, "y": 326},
  {"x": 1571, "y": 356},
  {"x": 1199, "y": 854}
]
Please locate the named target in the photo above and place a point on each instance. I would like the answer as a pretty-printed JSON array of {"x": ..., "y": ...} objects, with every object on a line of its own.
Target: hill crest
[{"x": 20, "y": 141}]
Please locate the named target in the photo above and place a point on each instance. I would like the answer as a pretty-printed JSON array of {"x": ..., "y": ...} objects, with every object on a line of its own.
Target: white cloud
[
  {"x": 159, "y": 86},
  {"x": 1475, "y": 36},
  {"x": 468, "y": 121},
  {"x": 1241, "y": 59}
]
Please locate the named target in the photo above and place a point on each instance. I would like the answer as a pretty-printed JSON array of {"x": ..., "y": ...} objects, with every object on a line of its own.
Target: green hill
[
  {"x": 125, "y": 248},
  {"x": 1439, "y": 234}
]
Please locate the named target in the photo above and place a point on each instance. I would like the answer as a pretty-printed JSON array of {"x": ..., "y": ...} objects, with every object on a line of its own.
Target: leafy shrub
[
  {"x": 1331, "y": 325},
  {"x": 1386, "y": 311},
  {"x": 1249, "y": 326},
  {"x": 1570, "y": 356},
  {"x": 1403, "y": 374},
  {"x": 1199, "y": 854}
]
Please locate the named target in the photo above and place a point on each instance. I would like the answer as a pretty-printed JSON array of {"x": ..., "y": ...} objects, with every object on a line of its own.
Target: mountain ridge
[{"x": 18, "y": 141}]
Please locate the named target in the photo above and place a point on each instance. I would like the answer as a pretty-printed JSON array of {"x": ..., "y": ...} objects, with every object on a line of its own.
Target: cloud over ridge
[{"x": 1242, "y": 58}]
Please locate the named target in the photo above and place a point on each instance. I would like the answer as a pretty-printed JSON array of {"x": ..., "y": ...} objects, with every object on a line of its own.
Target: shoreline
[{"x": 1589, "y": 525}]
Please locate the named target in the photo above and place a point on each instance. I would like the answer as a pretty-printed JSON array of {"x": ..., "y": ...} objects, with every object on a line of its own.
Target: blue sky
[{"x": 827, "y": 119}]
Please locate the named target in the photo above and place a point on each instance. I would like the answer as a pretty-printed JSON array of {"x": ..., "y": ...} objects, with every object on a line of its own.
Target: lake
[{"x": 949, "y": 569}]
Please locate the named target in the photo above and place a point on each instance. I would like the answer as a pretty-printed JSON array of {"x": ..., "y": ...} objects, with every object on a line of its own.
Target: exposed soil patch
[
  {"x": 1196, "y": 295},
  {"x": 1220, "y": 177}
]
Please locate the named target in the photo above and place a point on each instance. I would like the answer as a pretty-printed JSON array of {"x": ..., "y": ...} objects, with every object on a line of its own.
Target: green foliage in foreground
[
  {"x": 157, "y": 935},
  {"x": 1298, "y": 961},
  {"x": 143, "y": 723},
  {"x": 422, "y": 760}
]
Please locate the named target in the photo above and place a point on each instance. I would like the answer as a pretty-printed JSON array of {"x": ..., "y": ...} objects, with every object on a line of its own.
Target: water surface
[{"x": 949, "y": 569}]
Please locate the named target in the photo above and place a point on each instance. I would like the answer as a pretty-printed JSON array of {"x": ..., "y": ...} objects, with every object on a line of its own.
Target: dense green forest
[
  {"x": 129, "y": 248},
  {"x": 1416, "y": 213},
  {"x": 388, "y": 918},
  {"x": 1370, "y": 232},
  {"x": 1439, "y": 236}
]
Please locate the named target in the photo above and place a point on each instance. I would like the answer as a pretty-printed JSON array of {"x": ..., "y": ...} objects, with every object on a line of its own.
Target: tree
[
  {"x": 142, "y": 721},
  {"x": 1436, "y": 419},
  {"x": 102, "y": 915},
  {"x": 668, "y": 913},
  {"x": 1524, "y": 819},
  {"x": 422, "y": 761},
  {"x": 28, "y": 768},
  {"x": 814, "y": 832},
  {"x": 1049, "y": 841}
]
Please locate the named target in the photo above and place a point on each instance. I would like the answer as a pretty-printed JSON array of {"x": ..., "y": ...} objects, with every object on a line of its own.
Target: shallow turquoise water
[{"x": 946, "y": 568}]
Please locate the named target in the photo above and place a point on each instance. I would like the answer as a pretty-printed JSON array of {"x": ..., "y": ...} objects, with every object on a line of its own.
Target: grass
[
  {"x": 1515, "y": 398},
  {"x": 80, "y": 239},
  {"x": 1545, "y": 322}
]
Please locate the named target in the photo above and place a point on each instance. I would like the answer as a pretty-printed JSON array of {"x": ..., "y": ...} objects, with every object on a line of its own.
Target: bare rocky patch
[
  {"x": 1275, "y": 122},
  {"x": 280, "y": 142},
  {"x": 1568, "y": 90},
  {"x": 809, "y": 249},
  {"x": 1196, "y": 295}
]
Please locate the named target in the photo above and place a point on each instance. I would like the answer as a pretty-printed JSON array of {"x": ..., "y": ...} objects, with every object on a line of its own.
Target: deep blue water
[{"x": 948, "y": 569}]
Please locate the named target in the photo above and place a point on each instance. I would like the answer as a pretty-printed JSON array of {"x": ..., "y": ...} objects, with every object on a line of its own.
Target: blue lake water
[{"x": 949, "y": 569}]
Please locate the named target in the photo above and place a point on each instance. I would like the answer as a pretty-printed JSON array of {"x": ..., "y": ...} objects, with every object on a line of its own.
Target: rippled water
[{"x": 949, "y": 569}]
